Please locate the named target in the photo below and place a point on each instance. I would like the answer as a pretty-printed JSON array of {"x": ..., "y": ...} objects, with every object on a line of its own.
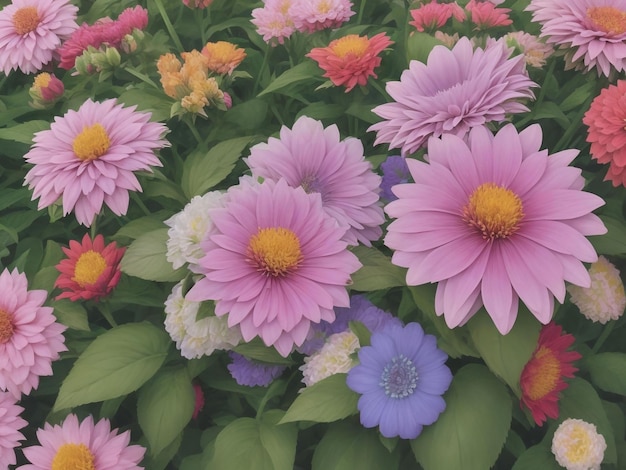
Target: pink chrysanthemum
[
  {"x": 605, "y": 119},
  {"x": 433, "y": 15},
  {"x": 314, "y": 15},
  {"x": 275, "y": 263},
  {"x": 91, "y": 269},
  {"x": 485, "y": 14},
  {"x": 593, "y": 32},
  {"x": 534, "y": 50},
  {"x": 31, "y": 30},
  {"x": 456, "y": 90},
  {"x": 84, "y": 445},
  {"x": 273, "y": 21},
  {"x": 351, "y": 60},
  {"x": 313, "y": 157},
  {"x": 10, "y": 424},
  {"x": 30, "y": 337},
  {"x": 88, "y": 157},
  {"x": 492, "y": 220}
]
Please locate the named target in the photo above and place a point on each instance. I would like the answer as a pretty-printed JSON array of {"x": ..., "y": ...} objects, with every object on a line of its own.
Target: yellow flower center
[
  {"x": 494, "y": 211},
  {"x": 73, "y": 457},
  {"x": 275, "y": 250},
  {"x": 6, "y": 326},
  {"x": 546, "y": 374},
  {"x": 42, "y": 80},
  {"x": 323, "y": 6},
  {"x": 91, "y": 143},
  {"x": 25, "y": 20},
  {"x": 89, "y": 267},
  {"x": 352, "y": 44},
  {"x": 579, "y": 445},
  {"x": 608, "y": 19}
]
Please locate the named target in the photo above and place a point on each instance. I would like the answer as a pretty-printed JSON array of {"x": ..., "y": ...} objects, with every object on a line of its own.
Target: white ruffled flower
[
  {"x": 189, "y": 227},
  {"x": 196, "y": 338},
  {"x": 605, "y": 299},
  {"x": 332, "y": 358},
  {"x": 576, "y": 445}
]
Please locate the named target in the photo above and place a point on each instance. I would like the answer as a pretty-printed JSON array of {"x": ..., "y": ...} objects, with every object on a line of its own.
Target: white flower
[
  {"x": 332, "y": 358},
  {"x": 605, "y": 299},
  {"x": 576, "y": 445},
  {"x": 189, "y": 227}
]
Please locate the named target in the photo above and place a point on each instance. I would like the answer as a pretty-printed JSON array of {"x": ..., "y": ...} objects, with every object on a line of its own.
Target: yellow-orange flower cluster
[{"x": 223, "y": 57}]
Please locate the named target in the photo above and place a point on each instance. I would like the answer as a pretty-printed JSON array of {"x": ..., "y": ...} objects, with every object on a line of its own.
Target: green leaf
[
  {"x": 248, "y": 115},
  {"x": 537, "y": 457},
  {"x": 135, "y": 228},
  {"x": 203, "y": 170},
  {"x": 608, "y": 371},
  {"x": 116, "y": 363},
  {"x": 506, "y": 355},
  {"x": 132, "y": 290},
  {"x": 347, "y": 446},
  {"x": 255, "y": 444},
  {"x": 377, "y": 271},
  {"x": 25, "y": 132},
  {"x": 303, "y": 71},
  {"x": 71, "y": 314},
  {"x": 614, "y": 241},
  {"x": 148, "y": 100},
  {"x": 256, "y": 350},
  {"x": 145, "y": 258},
  {"x": 419, "y": 45},
  {"x": 164, "y": 407},
  {"x": 470, "y": 433},
  {"x": 326, "y": 401}
]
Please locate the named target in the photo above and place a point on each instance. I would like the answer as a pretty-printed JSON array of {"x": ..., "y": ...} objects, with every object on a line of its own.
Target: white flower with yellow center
[
  {"x": 576, "y": 445},
  {"x": 333, "y": 358}
]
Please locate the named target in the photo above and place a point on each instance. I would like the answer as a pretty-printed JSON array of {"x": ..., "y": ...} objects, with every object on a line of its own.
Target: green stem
[
  {"x": 608, "y": 328},
  {"x": 168, "y": 25},
  {"x": 142, "y": 77},
  {"x": 261, "y": 70},
  {"x": 106, "y": 313},
  {"x": 195, "y": 132},
  {"x": 361, "y": 11},
  {"x": 140, "y": 203}
]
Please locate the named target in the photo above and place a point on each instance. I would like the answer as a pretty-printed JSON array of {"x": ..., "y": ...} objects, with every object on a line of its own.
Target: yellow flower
[{"x": 223, "y": 57}]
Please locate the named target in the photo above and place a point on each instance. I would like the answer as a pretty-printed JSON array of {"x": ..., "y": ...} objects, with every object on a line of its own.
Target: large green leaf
[
  {"x": 164, "y": 407},
  {"x": 71, "y": 314},
  {"x": 377, "y": 271},
  {"x": 145, "y": 258},
  {"x": 116, "y": 363},
  {"x": 470, "y": 433},
  {"x": 25, "y": 132},
  {"x": 537, "y": 457},
  {"x": 303, "y": 71},
  {"x": 608, "y": 371}
]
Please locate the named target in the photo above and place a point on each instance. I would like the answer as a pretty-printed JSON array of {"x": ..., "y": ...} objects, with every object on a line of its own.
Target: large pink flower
[
  {"x": 314, "y": 15},
  {"x": 10, "y": 424},
  {"x": 274, "y": 263},
  {"x": 84, "y": 445},
  {"x": 88, "y": 157},
  {"x": 491, "y": 220},
  {"x": 31, "y": 30},
  {"x": 456, "y": 90},
  {"x": 30, "y": 337},
  {"x": 313, "y": 157},
  {"x": 592, "y": 31}
]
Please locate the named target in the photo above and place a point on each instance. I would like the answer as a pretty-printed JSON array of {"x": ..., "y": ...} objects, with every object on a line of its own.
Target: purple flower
[
  {"x": 251, "y": 373},
  {"x": 395, "y": 171},
  {"x": 401, "y": 378}
]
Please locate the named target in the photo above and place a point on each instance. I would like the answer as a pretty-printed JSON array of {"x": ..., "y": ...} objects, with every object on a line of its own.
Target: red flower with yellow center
[
  {"x": 91, "y": 269},
  {"x": 542, "y": 377}
]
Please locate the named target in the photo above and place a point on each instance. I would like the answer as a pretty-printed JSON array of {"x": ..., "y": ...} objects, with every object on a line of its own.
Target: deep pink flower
[
  {"x": 275, "y": 263},
  {"x": 492, "y": 219},
  {"x": 10, "y": 424},
  {"x": 433, "y": 15},
  {"x": 88, "y": 157},
  {"x": 131, "y": 19},
  {"x": 314, "y": 15},
  {"x": 485, "y": 14},
  {"x": 456, "y": 90},
  {"x": 312, "y": 157}
]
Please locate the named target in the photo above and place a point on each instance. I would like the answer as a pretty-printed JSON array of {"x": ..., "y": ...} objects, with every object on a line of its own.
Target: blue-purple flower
[
  {"x": 401, "y": 378},
  {"x": 251, "y": 373},
  {"x": 395, "y": 171}
]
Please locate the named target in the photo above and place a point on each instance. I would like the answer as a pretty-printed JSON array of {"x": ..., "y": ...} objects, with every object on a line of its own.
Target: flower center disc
[
  {"x": 494, "y": 211},
  {"x": 399, "y": 377},
  {"x": 6, "y": 326},
  {"x": 579, "y": 445},
  {"x": 608, "y": 19},
  {"x": 25, "y": 20},
  {"x": 73, "y": 457},
  {"x": 91, "y": 143},
  {"x": 275, "y": 250},
  {"x": 351, "y": 44},
  {"x": 89, "y": 267},
  {"x": 544, "y": 377}
]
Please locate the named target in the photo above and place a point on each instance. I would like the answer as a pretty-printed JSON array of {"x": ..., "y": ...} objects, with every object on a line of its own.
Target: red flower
[
  {"x": 486, "y": 15},
  {"x": 91, "y": 269},
  {"x": 199, "y": 400},
  {"x": 433, "y": 15},
  {"x": 350, "y": 60},
  {"x": 542, "y": 377}
]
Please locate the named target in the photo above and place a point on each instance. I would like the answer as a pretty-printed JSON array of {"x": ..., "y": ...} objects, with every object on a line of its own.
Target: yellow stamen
[
  {"x": 6, "y": 326},
  {"x": 25, "y": 20},
  {"x": 608, "y": 19},
  {"x": 275, "y": 251},
  {"x": 352, "y": 44},
  {"x": 579, "y": 445},
  {"x": 91, "y": 143},
  {"x": 89, "y": 267},
  {"x": 73, "y": 457},
  {"x": 547, "y": 373},
  {"x": 42, "y": 80},
  {"x": 323, "y": 7},
  {"x": 494, "y": 211}
]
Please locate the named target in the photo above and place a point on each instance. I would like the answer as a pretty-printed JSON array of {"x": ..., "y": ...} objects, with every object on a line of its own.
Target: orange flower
[
  {"x": 542, "y": 377},
  {"x": 91, "y": 269},
  {"x": 350, "y": 60},
  {"x": 223, "y": 56}
]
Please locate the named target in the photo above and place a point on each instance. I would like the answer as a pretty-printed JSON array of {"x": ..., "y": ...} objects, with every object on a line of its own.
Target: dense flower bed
[{"x": 312, "y": 234}]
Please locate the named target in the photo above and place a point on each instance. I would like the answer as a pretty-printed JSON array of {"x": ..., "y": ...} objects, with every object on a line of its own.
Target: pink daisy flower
[
  {"x": 485, "y": 14},
  {"x": 433, "y": 15},
  {"x": 10, "y": 424},
  {"x": 273, "y": 21},
  {"x": 314, "y": 15},
  {"x": 275, "y": 263},
  {"x": 31, "y": 30},
  {"x": 593, "y": 32},
  {"x": 312, "y": 157},
  {"x": 456, "y": 90},
  {"x": 88, "y": 157},
  {"x": 84, "y": 445},
  {"x": 489, "y": 229},
  {"x": 30, "y": 337}
]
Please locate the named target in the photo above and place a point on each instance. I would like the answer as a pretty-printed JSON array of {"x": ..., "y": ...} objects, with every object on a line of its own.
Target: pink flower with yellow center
[
  {"x": 433, "y": 15},
  {"x": 91, "y": 269},
  {"x": 314, "y": 15},
  {"x": 46, "y": 90},
  {"x": 223, "y": 57},
  {"x": 10, "y": 424},
  {"x": 273, "y": 21},
  {"x": 351, "y": 60}
]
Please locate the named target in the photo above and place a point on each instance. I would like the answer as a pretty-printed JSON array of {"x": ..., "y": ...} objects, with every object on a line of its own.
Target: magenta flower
[
  {"x": 313, "y": 157},
  {"x": 492, "y": 220},
  {"x": 10, "y": 424},
  {"x": 88, "y": 158},
  {"x": 456, "y": 90},
  {"x": 274, "y": 263}
]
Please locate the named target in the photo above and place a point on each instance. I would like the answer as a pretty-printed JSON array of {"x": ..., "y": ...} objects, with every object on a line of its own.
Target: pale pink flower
[
  {"x": 314, "y": 15},
  {"x": 433, "y": 15},
  {"x": 273, "y": 21},
  {"x": 10, "y": 424},
  {"x": 485, "y": 14},
  {"x": 534, "y": 50}
]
